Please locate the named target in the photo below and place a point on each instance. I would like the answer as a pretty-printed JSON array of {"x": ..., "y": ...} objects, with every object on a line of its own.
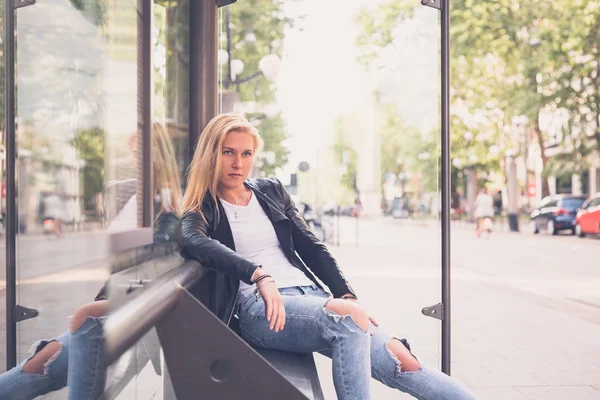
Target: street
[{"x": 525, "y": 309}]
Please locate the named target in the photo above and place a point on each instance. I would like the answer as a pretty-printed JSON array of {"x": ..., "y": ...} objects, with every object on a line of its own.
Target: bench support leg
[{"x": 206, "y": 360}]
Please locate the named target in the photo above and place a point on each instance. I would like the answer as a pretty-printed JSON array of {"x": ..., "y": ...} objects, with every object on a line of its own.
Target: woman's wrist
[
  {"x": 257, "y": 274},
  {"x": 349, "y": 296}
]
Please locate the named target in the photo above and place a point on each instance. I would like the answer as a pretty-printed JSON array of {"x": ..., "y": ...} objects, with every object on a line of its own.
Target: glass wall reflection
[{"x": 79, "y": 167}]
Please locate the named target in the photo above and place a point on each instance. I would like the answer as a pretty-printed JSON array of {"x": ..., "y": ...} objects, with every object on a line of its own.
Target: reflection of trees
[
  {"x": 94, "y": 10},
  {"x": 89, "y": 144},
  {"x": 257, "y": 29}
]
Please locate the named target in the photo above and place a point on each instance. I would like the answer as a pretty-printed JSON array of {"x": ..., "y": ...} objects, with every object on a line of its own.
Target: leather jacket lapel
[
  {"x": 272, "y": 211},
  {"x": 223, "y": 232}
]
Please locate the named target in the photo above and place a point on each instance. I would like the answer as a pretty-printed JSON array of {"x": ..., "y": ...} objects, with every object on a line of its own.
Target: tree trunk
[{"x": 540, "y": 138}]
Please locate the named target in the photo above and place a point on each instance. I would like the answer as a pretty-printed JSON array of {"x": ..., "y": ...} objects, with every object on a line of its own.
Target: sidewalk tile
[
  {"x": 482, "y": 378},
  {"x": 501, "y": 393},
  {"x": 568, "y": 378},
  {"x": 560, "y": 393}
]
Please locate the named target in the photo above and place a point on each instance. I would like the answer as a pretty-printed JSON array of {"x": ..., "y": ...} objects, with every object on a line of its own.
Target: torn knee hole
[
  {"x": 338, "y": 311},
  {"x": 403, "y": 358},
  {"x": 43, "y": 358}
]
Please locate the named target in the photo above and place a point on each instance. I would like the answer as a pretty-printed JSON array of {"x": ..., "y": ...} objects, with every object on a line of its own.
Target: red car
[{"x": 587, "y": 221}]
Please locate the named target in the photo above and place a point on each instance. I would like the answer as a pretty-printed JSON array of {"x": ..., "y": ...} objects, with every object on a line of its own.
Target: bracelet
[
  {"x": 264, "y": 283},
  {"x": 349, "y": 296},
  {"x": 257, "y": 290},
  {"x": 260, "y": 278}
]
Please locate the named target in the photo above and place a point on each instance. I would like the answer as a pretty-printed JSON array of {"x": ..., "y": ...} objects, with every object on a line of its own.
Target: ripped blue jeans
[
  {"x": 356, "y": 355},
  {"x": 79, "y": 364}
]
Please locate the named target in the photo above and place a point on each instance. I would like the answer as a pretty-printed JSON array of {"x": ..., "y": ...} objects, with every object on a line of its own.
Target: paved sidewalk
[
  {"x": 525, "y": 317},
  {"x": 508, "y": 341}
]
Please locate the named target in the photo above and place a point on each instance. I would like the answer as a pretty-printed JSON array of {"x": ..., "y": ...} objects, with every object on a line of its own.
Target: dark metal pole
[
  {"x": 11, "y": 193},
  {"x": 203, "y": 67},
  {"x": 145, "y": 91},
  {"x": 446, "y": 182}
]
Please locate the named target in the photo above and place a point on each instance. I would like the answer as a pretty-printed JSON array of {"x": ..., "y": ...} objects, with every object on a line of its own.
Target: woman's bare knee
[
  {"x": 38, "y": 362},
  {"x": 355, "y": 311},
  {"x": 95, "y": 309},
  {"x": 407, "y": 361}
]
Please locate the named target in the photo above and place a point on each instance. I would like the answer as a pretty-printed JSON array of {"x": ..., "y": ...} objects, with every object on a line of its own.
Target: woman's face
[{"x": 237, "y": 156}]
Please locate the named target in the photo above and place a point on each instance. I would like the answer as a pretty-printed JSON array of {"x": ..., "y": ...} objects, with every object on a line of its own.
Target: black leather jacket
[{"x": 211, "y": 243}]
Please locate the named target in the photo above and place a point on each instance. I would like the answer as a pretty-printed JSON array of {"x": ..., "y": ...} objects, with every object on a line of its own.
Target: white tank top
[{"x": 255, "y": 239}]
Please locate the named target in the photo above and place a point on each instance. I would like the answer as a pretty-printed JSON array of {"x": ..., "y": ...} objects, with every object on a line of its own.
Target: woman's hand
[
  {"x": 274, "y": 309},
  {"x": 373, "y": 321}
]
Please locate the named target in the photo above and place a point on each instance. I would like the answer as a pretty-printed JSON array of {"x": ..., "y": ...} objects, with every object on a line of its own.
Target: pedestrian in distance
[{"x": 484, "y": 212}]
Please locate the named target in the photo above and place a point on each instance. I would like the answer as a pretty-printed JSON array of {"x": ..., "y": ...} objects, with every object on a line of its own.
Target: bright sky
[{"x": 319, "y": 77}]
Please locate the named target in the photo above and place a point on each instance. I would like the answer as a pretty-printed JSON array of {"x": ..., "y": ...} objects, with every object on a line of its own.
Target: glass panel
[
  {"x": 80, "y": 163},
  {"x": 349, "y": 114},
  {"x": 72, "y": 115}
]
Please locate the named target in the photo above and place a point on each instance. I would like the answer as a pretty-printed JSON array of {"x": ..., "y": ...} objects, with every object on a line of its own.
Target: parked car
[
  {"x": 587, "y": 221},
  {"x": 556, "y": 213}
]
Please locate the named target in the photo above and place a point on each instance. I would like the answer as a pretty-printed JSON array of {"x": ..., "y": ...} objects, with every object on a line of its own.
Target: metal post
[
  {"x": 446, "y": 182},
  {"x": 444, "y": 7},
  {"x": 145, "y": 90},
  {"x": 11, "y": 194},
  {"x": 203, "y": 67}
]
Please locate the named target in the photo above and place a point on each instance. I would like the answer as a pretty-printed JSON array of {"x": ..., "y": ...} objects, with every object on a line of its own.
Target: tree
[
  {"x": 378, "y": 22},
  {"x": 404, "y": 149},
  {"x": 272, "y": 130},
  {"x": 344, "y": 154},
  {"x": 520, "y": 59}
]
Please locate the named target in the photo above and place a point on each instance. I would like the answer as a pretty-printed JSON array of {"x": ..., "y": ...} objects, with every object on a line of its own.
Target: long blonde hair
[
  {"x": 205, "y": 168},
  {"x": 165, "y": 172}
]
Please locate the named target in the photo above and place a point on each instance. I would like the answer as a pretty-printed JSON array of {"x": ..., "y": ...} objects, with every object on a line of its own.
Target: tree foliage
[
  {"x": 272, "y": 130},
  {"x": 514, "y": 58},
  {"x": 405, "y": 149},
  {"x": 344, "y": 154}
]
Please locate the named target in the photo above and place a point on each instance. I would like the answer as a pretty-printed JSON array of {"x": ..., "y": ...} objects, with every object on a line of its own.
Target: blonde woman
[{"x": 265, "y": 260}]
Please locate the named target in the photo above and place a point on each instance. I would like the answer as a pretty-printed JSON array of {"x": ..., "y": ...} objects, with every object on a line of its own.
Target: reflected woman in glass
[
  {"x": 265, "y": 259},
  {"x": 75, "y": 358}
]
